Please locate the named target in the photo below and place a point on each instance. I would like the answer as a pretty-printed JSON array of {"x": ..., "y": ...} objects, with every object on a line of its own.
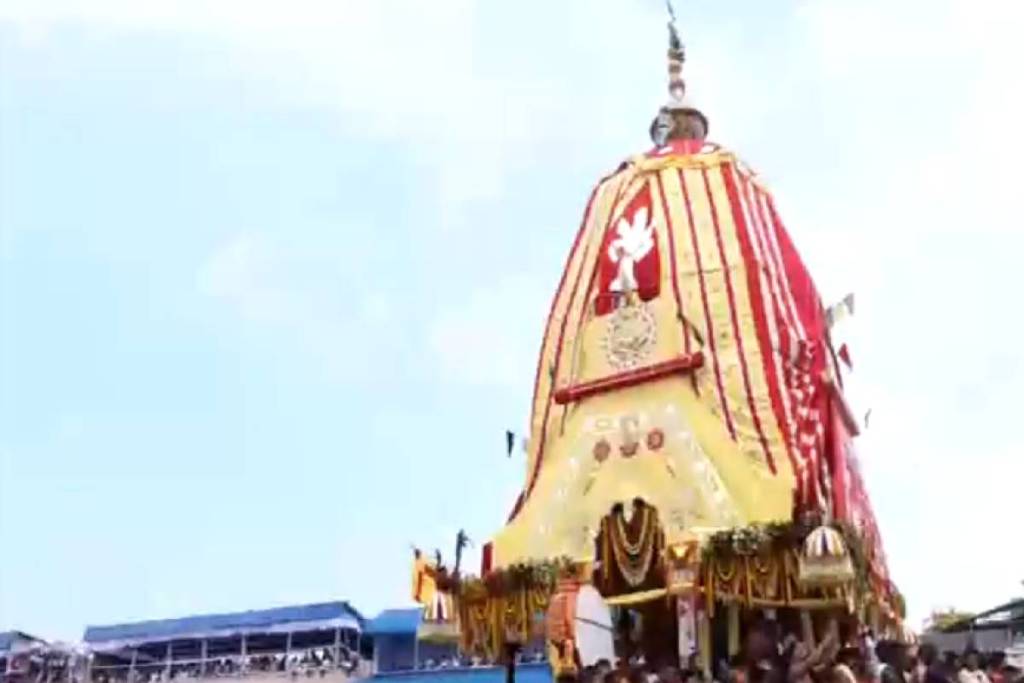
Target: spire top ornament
[
  {"x": 677, "y": 120},
  {"x": 676, "y": 58}
]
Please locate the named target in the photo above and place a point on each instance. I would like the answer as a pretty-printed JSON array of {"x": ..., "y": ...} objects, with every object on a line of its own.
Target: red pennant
[{"x": 844, "y": 354}]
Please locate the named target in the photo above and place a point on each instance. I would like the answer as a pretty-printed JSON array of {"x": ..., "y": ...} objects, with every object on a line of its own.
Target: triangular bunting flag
[
  {"x": 838, "y": 311},
  {"x": 844, "y": 354},
  {"x": 510, "y": 441},
  {"x": 848, "y": 302}
]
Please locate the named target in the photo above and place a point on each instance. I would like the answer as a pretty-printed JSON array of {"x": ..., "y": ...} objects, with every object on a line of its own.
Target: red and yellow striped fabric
[{"x": 677, "y": 253}]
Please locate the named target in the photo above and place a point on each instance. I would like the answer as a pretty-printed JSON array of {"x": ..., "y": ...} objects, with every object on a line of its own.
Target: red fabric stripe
[
  {"x": 710, "y": 330},
  {"x": 757, "y": 297},
  {"x": 669, "y": 230},
  {"x": 805, "y": 295},
  {"x": 561, "y": 336},
  {"x": 751, "y": 238},
  {"x": 744, "y": 370},
  {"x": 547, "y": 325},
  {"x": 487, "y": 559},
  {"x": 809, "y": 309},
  {"x": 792, "y": 323},
  {"x": 786, "y": 325}
]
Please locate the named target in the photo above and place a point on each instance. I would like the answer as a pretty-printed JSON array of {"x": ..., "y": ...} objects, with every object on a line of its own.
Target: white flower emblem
[{"x": 634, "y": 241}]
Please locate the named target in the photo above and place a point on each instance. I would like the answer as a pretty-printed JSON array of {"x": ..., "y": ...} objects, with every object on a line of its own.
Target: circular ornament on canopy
[{"x": 630, "y": 337}]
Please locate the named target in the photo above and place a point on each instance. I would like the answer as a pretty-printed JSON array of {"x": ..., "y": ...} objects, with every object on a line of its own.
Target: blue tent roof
[
  {"x": 322, "y": 615},
  {"x": 394, "y": 622}
]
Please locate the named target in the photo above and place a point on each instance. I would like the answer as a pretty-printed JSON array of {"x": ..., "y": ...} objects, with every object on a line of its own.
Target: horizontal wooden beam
[{"x": 629, "y": 378}]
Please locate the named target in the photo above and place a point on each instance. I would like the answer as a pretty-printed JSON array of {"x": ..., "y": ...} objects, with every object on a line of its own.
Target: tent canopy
[{"x": 327, "y": 615}]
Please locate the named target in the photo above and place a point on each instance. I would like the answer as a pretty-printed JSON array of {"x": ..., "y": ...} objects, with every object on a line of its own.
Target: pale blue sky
[{"x": 273, "y": 275}]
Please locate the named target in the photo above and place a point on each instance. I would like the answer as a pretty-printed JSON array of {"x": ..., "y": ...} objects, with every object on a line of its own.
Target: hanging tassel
[{"x": 733, "y": 616}]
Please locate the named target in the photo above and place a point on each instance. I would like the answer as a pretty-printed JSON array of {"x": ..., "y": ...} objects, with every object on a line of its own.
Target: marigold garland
[
  {"x": 633, "y": 558},
  {"x": 539, "y": 575},
  {"x": 758, "y": 540}
]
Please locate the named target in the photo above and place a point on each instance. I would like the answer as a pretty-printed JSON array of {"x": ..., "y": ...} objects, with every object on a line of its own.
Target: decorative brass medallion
[{"x": 630, "y": 337}]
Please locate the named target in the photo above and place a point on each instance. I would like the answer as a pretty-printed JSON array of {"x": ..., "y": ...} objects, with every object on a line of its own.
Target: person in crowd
[
  {"x": 929, "y": 669},
  {"x": 893, "y": 660},
  {"x": 669, "y": 674},
  {"x": 971, "y": 671},
  {"x": 949, "y": 665},
  {"x": 735, "y": 671},
  {"x": 805, "y": 663},
  {"x": 994, "y": 667},
  {"x": 848, "y": 666},
  {"x": 1012, "y": 674},
  {"x": 761, "y": 662}
]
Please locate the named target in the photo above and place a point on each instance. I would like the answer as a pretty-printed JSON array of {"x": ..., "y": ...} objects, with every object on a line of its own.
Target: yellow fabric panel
[
  {"x": 762, "y": 404},
  {"x": 602, "y": 204},
  {"x": 692, "y": 161},
  {"x": 723, "y": 266},
  {"x": 697, "y": 480}
]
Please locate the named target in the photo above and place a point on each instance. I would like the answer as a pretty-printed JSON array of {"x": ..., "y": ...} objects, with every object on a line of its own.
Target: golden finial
[{"x": 677, "y": 120}]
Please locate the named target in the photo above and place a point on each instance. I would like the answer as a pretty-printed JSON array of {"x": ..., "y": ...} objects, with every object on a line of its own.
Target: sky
[{"x": 273, "y": 276}]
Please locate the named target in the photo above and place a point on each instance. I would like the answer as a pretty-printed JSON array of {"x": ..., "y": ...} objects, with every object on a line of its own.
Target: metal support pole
[
  {"x": 288, "y": 651},
  {"x": 204, "y": 653},
  {"x": 337, "y": 648},
  {"x": 131, "y": 667},
  {"x": 244, "y": 664},
  {"x": 170, "y": 658}
]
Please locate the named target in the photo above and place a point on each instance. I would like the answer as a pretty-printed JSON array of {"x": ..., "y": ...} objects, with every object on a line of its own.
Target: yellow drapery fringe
[{"x": 636, "y": 598}]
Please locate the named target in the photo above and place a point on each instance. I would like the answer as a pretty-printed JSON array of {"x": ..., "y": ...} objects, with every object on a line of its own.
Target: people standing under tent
[{"x": 971, "y": 671}]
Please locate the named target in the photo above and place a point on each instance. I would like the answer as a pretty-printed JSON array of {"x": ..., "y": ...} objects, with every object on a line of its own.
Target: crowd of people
[
  {"x": 48, "y": 667},
  {"x": 767, "y": 657},
  {"x": 308, "y": 663}
]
